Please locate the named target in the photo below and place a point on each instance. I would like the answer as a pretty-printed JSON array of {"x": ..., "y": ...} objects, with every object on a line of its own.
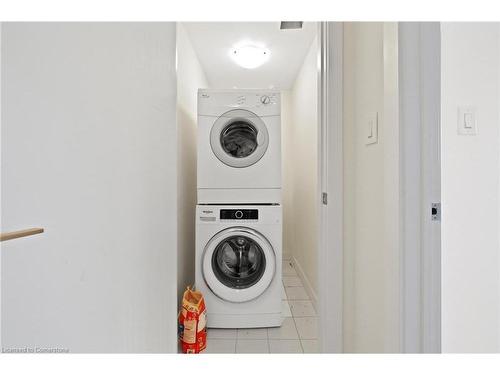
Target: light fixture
[{"x": 249, "y": 56}]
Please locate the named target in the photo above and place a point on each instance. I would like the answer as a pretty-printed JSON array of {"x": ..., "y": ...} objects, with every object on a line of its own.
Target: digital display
[{"x": 243, "y": 214}]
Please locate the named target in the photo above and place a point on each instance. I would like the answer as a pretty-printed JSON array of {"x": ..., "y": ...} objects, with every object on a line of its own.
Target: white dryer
[
  {"x": 238, "y": 264},
  {"x": 239, "y": 146}
]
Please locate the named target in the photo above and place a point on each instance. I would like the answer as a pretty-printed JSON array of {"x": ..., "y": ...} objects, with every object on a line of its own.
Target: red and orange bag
[{"x": 192, "y": 322}]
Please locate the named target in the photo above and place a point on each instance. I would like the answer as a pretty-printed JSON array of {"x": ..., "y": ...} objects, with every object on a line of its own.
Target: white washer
[
  {"x": 238, "y": 264},
  {"x": 239, "y": 146}
]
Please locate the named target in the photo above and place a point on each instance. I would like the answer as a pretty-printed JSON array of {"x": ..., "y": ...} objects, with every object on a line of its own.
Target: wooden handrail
[{"x": 20, "y": 233}]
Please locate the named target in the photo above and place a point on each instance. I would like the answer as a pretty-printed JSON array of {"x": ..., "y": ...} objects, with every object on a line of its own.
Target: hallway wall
[
  {"x": 300, "y": 166},
  {"x": 287, "y": 175},
  {"x": 190, "y": 77},
  {"x": 371, "y": 263},
  {"x": 1, "y": 226},
  {"x": 89, "y": 153},
  {"x": 470, "y": 76}
]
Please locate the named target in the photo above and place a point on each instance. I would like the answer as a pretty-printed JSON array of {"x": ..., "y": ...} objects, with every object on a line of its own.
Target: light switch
[
  {"x": 467, "y": 121},
  {"x": 372, "y": 129}
]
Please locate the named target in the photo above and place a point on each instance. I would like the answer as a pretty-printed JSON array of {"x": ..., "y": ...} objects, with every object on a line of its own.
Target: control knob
[{"x": 264, "y": 99}]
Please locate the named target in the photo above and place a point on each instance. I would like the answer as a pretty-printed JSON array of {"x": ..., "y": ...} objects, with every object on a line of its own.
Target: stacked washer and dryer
[{"x": 239, "y": 213}]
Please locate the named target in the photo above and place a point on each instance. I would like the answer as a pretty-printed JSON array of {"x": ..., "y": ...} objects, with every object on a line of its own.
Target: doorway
[
  {"x": 204, "y": 62},
  {"x": 380, "y": 126},
  {"x": 364, "y": 295}
]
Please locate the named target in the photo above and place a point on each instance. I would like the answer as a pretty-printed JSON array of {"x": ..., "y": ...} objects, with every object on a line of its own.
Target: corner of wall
[{"x": 190, "y": 77}]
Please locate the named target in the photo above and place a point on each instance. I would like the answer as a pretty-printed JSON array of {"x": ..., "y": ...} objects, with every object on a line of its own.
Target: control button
[
  {"x": 238, "y": 214},
  {"x": 264, "y": 99}
]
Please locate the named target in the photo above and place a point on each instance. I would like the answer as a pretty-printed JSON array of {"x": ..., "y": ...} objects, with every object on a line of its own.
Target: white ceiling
[{"x": 212, "y": 42}]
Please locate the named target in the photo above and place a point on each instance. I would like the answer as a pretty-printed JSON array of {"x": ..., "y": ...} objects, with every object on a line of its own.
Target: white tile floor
[{"x": 298, "y": 333}]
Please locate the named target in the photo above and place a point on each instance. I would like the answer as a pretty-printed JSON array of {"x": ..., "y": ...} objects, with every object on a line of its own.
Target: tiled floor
[{"x": 298, "y": 334}]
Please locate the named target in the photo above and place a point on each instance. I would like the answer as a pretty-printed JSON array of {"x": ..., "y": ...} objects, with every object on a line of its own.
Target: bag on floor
[{"x": 192, "y": 322}]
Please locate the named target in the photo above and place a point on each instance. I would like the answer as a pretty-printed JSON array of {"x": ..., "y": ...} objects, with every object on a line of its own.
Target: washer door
[
  {"x": 238, "y": 264},
  {"x": 239, "y": 138}
]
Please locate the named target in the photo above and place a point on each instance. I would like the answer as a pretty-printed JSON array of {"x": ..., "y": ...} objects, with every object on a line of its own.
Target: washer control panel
[{"x": 239, "y": 214}]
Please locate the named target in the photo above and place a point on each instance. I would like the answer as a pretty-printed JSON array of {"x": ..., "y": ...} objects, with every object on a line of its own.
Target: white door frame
[
  {"x": 419, "y": 162},
  {"x": 330, "y": 185},
  {"x": 420, "y": 103}
]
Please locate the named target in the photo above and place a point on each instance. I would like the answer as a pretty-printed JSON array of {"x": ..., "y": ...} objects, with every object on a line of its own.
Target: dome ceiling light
[{"x": 249, "y": 56}]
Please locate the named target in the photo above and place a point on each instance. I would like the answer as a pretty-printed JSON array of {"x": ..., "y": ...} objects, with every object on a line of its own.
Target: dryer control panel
[
  {"x": 242, "y": 214},
  {"x": 255, "y": 100},
  {"x": 217, "y": 102}
]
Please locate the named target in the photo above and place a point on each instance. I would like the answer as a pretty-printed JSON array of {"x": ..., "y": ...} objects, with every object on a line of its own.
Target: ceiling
[{"x": 212, "y": 42}]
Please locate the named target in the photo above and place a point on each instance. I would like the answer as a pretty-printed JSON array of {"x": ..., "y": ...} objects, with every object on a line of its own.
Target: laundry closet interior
[{"x": 248, "y": 191}]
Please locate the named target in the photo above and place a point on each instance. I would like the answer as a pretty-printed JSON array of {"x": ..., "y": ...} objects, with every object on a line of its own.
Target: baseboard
[{"x": 307, "y": 284}]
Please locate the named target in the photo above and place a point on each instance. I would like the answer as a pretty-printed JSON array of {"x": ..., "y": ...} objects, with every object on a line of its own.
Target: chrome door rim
[
  {"x": 231, "y": 294},
  {"x": 226, "y": 119}
]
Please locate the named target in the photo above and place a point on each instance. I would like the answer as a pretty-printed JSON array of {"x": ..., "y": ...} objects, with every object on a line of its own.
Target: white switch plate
[
  {"x": 371, "y": 136},
  {"x": 466, "y": 122}
]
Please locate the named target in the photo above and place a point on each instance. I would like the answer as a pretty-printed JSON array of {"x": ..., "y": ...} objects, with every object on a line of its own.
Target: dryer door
[
  {"x": 239, "y": 138},
  {"x": 238, "y": 264}
]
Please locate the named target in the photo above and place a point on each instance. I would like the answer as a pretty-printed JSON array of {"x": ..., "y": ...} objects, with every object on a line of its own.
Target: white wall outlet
[
  {"x": 371, "y": 136},
  {"x": 466, "y": 124}
]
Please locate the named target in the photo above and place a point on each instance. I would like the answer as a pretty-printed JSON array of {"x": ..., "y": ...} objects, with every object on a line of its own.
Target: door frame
[
  {"x": 420, "y": 171},
  {"x": 330, "y": 186},
  {"x": 419, "y": 278}
]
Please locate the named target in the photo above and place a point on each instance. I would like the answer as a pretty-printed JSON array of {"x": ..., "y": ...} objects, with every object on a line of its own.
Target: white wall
[
  {"x": 1, "y": 226},
  {"x": 371, "y": 189},
  {"x": 89, "y": 153},
  {"x": 300, "y": 177},
  {"x": 470, "y": 74},
  {"x": 287, "y": 175},
  {"x": 190, "y": 77}
]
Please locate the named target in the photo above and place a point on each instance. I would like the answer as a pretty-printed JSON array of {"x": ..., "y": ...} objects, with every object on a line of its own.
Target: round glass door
[
  {"x": 238, "y": 264},
  {"x": 239, "y": 138}
]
